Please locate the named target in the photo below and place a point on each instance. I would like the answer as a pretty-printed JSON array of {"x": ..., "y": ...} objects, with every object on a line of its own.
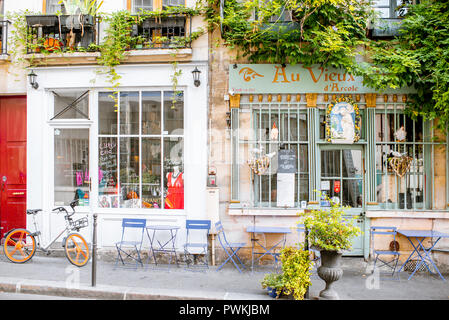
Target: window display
[
  {"x": 71, "y": 170},
  {"x": 141, "y": 150}
]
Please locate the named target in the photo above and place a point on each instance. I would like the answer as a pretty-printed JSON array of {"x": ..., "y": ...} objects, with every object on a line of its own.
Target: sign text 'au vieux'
[{"x": 274, "y": 78}]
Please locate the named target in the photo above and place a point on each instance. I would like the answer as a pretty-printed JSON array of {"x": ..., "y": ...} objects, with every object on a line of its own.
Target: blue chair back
[
  {"x": 133, "y": 223},
  {"x": 198, "y": 224},
  {"x": 382, "y": 231},
  {"x": 221, "y": 235}
]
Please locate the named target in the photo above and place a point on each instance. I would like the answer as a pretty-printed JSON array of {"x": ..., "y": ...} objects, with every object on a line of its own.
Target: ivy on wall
[{"x": 325, "y": 32}]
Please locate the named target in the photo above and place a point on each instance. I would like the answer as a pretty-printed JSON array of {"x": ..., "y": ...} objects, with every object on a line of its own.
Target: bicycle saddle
[{"x": 33, "y": 211}]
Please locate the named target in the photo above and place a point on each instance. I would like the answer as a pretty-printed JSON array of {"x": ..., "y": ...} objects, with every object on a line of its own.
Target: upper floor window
[
  {"x": 389, "y": 9},
  {"x": 53, "y": 6},
  {"x": 150, "y": 5},
  {"x": 145, "y": 5}
]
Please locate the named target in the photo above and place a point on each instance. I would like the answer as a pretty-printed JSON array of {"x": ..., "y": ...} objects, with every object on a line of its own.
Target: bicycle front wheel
[
  {"x": 76, "y": 249},
  {"x": 19, "y": 246}
]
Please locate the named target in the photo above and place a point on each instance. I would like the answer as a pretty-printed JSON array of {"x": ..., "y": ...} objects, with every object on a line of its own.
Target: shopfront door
[
  {"x": 342, "y": 178},
  {"x": 13, "y": 166}
]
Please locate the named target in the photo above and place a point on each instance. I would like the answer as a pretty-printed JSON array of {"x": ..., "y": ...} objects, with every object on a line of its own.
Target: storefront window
[
  {"x": 71, "y": 170},
  {"x": 408, "y": 184},
  {"x": 149, "y": 171},
  {"x": 279, "y": 132}
]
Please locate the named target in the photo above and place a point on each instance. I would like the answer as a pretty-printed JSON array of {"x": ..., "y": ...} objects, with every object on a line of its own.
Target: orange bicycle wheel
[
  {"x": 76, "y": 249},
  {"x": 19, "y": 246}
]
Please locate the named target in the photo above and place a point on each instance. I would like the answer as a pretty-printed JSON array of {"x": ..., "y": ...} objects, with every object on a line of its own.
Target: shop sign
[{"x": 274, "y": 78}]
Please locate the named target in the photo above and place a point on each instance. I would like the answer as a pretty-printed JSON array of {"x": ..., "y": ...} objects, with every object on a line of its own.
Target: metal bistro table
[
  {"x": 164, "y": 247},
  {"x": 420, "y": 251},
  {"x": 266, "y": 230}
]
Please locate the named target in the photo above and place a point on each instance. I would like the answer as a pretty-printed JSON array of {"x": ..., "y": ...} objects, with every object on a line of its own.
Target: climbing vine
[
  {"x": 116, "y": 44},
  {"x": 325, "y": 32}
]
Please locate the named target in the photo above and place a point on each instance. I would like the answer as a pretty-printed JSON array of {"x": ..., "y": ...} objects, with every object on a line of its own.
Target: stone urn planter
[{"x": 330, "y": 272}]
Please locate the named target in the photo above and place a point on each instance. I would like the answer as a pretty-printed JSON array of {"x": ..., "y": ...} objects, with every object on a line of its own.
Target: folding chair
[
  {"x": 231, "y": 249},
  {"x": 316, "y": 254},
  {"x": 196, "y": 241},
  {"x": 392, "y": 264},
  {"x": 136, "y": 246}
]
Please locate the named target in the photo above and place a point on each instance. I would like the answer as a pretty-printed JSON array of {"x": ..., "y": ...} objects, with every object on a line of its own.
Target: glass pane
[
  {"x": 170, "y": 3},
  {"x": 129, "y": 113},
  {"x": 53, "y": 6},
  {"x": 173, "y": 113},
  {"x": 352, "y": 193},
  {"x": 330, "y": 163},
  {"x": 71, "y": 105},
  {"x": 352, "y": 163},
  {"x": 71, "y": 173},
  {"x": 303, "y": 187},
  {"x": 151, "y": 173},
  {"x": 108, "y": 192},
  {"x": 302, "y": 127},
  {"x": 173, "y": 173},
  {"x": 107, "y": 113},
  {"x": 146, "y": 5},
  {"x": 151, "y": 112},
  {"x": 129, "y": 173}
]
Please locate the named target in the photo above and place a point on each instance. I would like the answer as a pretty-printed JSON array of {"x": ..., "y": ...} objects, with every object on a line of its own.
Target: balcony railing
[
  {"x": 4, "y": 37},
  {"x": 163, "y": 33},
  {"x": 52, "y": 33}
]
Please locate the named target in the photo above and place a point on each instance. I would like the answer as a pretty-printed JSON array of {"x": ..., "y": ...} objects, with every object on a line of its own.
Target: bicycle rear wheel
[
  {"x": 76, "y": 249},
  {"x": 19, "y": 246}
]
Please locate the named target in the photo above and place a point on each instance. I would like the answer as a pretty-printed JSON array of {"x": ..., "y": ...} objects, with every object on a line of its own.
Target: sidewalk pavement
[{"x": 55, "y": 276}]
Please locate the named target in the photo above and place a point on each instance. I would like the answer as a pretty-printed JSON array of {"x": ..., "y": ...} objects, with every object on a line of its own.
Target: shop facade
[
  {"x": 297, "y": 133},
  {"x": 133, "y": 153}
]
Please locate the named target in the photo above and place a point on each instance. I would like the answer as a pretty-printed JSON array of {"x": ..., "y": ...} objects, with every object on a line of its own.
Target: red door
[{"x": 12, "y": 163}]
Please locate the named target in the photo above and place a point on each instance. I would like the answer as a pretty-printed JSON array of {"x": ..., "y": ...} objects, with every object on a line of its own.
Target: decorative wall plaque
[{"x": 343, "y": 121}]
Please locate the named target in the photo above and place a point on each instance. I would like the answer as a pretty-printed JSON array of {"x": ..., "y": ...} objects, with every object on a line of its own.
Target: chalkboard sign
[
  {"x": 287, "y": 161},
  {"x": 107, "y": 162}
]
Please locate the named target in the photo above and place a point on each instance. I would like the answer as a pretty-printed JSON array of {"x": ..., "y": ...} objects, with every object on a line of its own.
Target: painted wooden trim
[
  {"x": 370, "y": 99},
  {"x": 44, "y": 6},
  {"x": 128, "y": 5},
  {"x": 234, "y": 101},
  {"x": 311, "y": 99}
]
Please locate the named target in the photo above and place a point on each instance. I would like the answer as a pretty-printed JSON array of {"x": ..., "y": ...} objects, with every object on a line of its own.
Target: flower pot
[
  {"x": 330, "y": 272},
  {"x": 272, "y": 292}
]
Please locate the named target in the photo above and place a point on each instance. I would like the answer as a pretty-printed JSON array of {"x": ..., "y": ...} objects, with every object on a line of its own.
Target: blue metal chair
[
  {"x": 135, "y": 245},
  {"x": 393, "y": 263},
  {"x": 316, "y": 254},
  {"x": 197, "y": 242},
  {"x": 231, "y": 249}
]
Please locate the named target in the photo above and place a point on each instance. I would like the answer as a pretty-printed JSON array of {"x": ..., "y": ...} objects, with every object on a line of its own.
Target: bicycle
[{"x": 20, "y": 244}]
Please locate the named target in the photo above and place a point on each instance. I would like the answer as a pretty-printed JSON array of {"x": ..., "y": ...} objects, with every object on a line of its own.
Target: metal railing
[
  {"x": 170, "y": 32},
  {"x": 52, "y": 33},
  {"x": 4, "y": 36}
]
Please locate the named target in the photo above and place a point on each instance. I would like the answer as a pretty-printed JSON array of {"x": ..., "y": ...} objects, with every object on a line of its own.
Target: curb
[{"x": 104, "y": 292}]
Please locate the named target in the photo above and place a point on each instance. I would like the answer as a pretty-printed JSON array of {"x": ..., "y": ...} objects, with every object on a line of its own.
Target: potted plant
[
  {"x": 274, "y": 283},
  {"x": 294, "y": 280},
  {"x": 330, "y": 233}
]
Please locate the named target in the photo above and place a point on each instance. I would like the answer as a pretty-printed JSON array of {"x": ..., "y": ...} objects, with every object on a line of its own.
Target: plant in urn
[{"x": 331, "y": 234}]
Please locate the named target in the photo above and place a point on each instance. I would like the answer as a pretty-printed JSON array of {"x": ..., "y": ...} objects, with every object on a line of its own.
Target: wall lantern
[
  {"x": 212, "y": 177},
  {"x": 32, "y": 78},
  {"x": 196, "y": 77}
]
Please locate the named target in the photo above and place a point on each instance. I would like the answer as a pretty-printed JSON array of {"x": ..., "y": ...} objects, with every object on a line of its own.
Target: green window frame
[{"x": 416, "y": 190}]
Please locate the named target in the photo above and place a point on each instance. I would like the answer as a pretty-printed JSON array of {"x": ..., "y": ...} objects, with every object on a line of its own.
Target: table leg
[{"x": 426, "y": 252}]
